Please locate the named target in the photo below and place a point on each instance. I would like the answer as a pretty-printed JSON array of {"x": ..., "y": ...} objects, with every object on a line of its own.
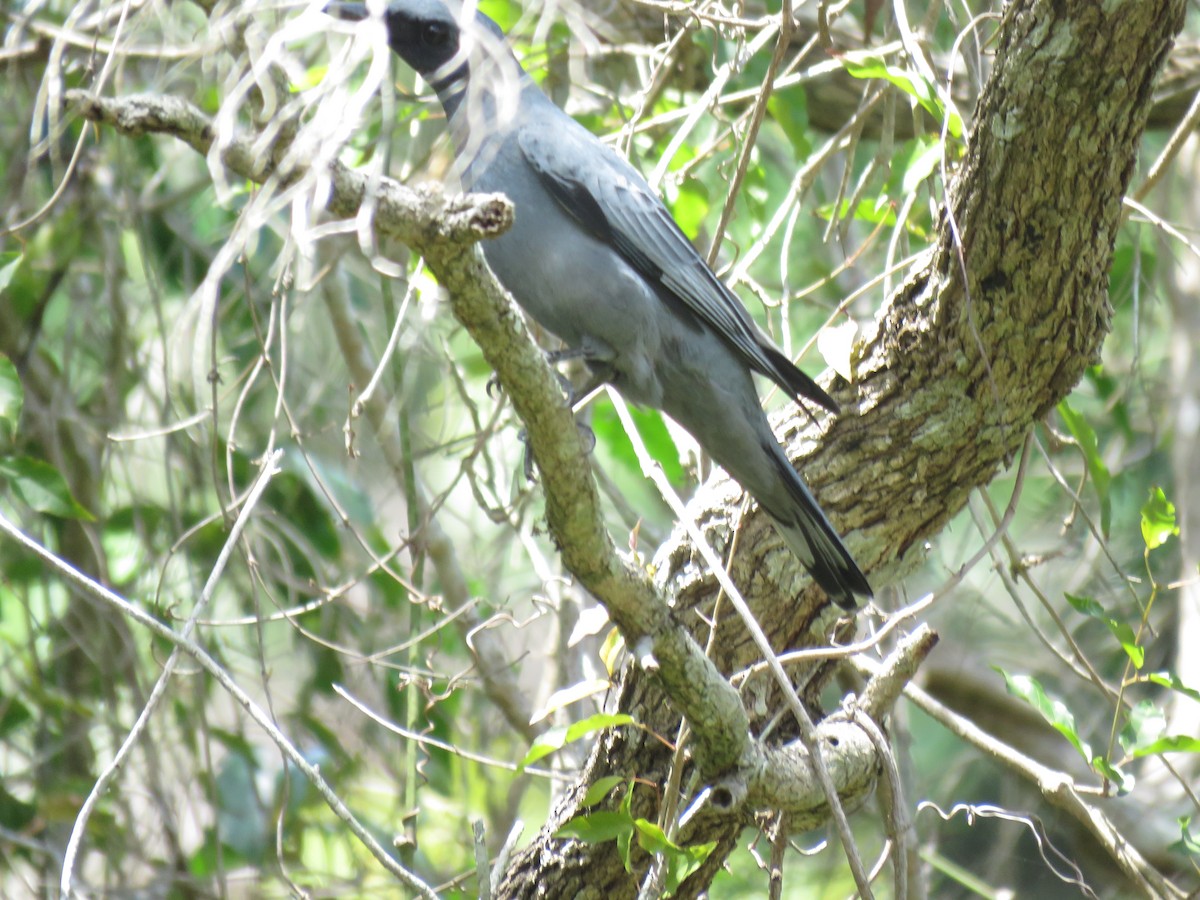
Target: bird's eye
[{"x": 435, "y": 34}]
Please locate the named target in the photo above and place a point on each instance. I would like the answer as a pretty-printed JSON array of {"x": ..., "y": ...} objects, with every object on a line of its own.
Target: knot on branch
[{"x": 466, "y": 217}]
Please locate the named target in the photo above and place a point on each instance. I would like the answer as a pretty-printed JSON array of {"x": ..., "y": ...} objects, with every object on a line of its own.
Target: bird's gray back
[{"x": 572, "y": 284}]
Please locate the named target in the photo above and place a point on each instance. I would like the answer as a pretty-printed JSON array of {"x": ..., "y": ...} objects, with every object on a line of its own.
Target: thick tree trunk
[{"x": 949, "y": 382}]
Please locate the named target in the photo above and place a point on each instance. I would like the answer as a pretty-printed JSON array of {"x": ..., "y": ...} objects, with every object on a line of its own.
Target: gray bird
[{"x": 596, "y": 259}]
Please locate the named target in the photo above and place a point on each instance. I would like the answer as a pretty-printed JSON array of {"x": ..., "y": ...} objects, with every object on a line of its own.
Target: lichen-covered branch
[{"x": 444, "y": 231}]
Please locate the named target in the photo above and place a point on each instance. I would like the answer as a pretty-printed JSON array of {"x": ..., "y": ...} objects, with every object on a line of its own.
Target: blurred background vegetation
[{"x": 164, "y": 328}]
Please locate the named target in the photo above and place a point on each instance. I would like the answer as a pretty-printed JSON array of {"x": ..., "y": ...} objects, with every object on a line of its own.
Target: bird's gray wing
[{"x": 611, "y": 201}]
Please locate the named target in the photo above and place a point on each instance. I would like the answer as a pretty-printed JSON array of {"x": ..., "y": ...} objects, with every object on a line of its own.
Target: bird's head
[{"x": 437, "y": 40}]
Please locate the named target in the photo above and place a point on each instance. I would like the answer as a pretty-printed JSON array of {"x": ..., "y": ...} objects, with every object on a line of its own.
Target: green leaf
[
  {"x": 682, "y": 864},
  {"x": 12, "y": 398},
  {"x": 925, "y": 157},
  {"x": 1171, "y": 680},
  {"x": 15, "y": 814},
  {"x": 867, "y": 65},
  {"x": 624, "y": 842},
  {"x": 1120, "y": 630},
  {"x": 558, "y": 737},
  {"x": 611, "y": 649},
  {"x": 1101, "y": 478},
  {"x": 1158, "y": 519},
  {"x": 1145, "y": 724},
  {"x": 13, "y": 714},
  {"x": 10, "y": 261},
  {"x": 41, "y": 486},
  {"x": 1145, "y": 733},
  {"x": 569, "y": 695},
  {"x": 651, "y": 838},
  {"x": 1052, "y": 710},
  {"x": 1121, "y": 780},
  {"x": 689, "y": 205},
  {"x": 872, "y": 211},
  {"x": 789, "y": 109},
  {"x": 597, "y": 827},
  {"x": 681, "y": 861},
  {"x": 1170, "y": 743},
  {"x": 1188, "y": 843},
  {"x": 601, "y": 788},
  {"x": 131, "y": 250}
]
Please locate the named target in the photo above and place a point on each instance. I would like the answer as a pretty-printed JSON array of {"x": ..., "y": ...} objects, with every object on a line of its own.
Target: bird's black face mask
[{"x": 423, "y": 33}]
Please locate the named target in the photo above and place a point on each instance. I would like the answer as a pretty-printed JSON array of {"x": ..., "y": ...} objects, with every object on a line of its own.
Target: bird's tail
[{"x": 808, "y": 533}]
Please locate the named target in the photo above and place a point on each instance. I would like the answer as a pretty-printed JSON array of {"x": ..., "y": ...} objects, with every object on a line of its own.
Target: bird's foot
[{"x": 553, "y": 358}]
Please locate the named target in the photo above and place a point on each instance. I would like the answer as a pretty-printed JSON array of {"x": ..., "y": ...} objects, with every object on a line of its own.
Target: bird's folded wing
[{"x": 608, "y": 198}]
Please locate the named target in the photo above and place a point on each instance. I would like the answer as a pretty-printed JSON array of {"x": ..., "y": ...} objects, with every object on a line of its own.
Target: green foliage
[
  {"x": 1101, "y": 479},
  {"x": 561, "y": 735},
  {"x": 867, "y": 65},
  {"x": 12, "y": 398},
  {"x": 159, "y": 334},
  {"x": 41, "y": 487},
  {"x": 1120, "y": 630},
  {"x": 621, "y": 826},
  {"x": 1158, "y": 520},
  {"x": 1188, "y": 843},
  {"x": 1143, "y": 726}
]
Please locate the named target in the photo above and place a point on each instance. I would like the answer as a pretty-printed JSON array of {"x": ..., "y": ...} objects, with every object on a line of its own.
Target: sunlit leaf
[
  {"x": 651, "y": 838},
  {"x": 875, "y": 211},
  {"x": 1052, "y": 710},
  {"x": 1158, "y": 519},
  {"x": 689, "y": 206},
  {"x": 926, "y": 156},
  {"x": 1120, "y": 630},
  {"x": 1188, "y": 843},
  {"x": 600, "y": 789},
  {"x": 836, "y": 345},
  {"x": 1145, "y": 724},
  {"x": 559, "y": 736},
  {"x": 12, "y": 397},
  {"x": 610, "y": 651},
  {"x": 1118, "y": 777},
  {"x": 1171, "y": 743},
  {"x": 609, "y": 431},
  {"x": 866, "y": 65},
  {"x": 1079, "y": 428},
  {"x": 41, "y": 487},
  {"x": 1145, "y": 734},
  {"x": 597, "y": 827},
  {"x": 568, "y": 695},
  {"x": 684, "y": 862},
  {"x": 1172, "y": 681},
  {"x": 10, "y": 261}
]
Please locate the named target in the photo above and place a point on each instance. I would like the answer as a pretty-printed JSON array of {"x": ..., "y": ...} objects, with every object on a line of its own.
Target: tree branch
[{"x": 444, "y": 230}]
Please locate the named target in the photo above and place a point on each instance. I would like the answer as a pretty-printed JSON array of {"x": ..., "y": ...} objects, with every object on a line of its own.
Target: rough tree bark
[{"x": 950, "y": 380}]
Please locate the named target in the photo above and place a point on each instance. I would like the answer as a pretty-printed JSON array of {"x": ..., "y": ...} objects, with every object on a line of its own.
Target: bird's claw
[{"x": 553, "y": 358}]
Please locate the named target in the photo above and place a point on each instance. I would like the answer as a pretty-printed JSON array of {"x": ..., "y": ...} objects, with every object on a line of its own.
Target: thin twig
[
  {"x": 98, "y": 591},
  {"x": 270, "y": 467}
]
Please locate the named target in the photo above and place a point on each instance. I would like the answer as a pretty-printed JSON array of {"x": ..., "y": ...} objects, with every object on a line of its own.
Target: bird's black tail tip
[{"x": 828, "y": 561}]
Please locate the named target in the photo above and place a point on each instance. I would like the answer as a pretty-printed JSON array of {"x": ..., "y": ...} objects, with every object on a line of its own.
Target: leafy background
[{"x": 163, "y": 331}]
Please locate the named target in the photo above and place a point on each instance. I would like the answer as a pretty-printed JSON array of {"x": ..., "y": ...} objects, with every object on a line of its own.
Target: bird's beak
[{"x": 354, "y": 12}]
